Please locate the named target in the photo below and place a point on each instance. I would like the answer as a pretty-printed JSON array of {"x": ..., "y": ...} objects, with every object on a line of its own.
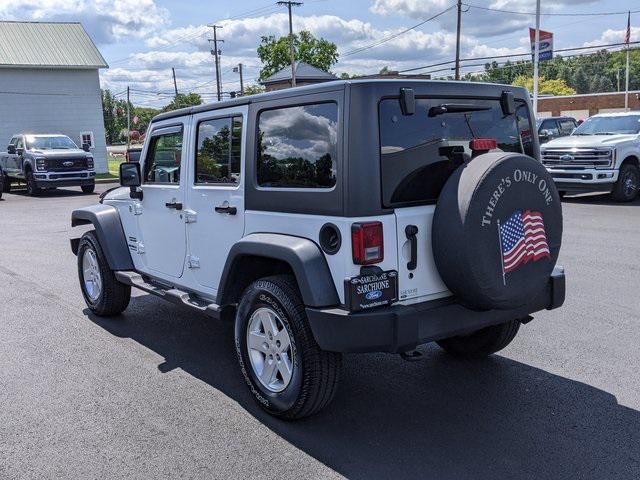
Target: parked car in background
[
  {"x": 133, "y": 154},
  {"x": 46, "y": 161},
  {"x": 555, "y": 127},
  {"x": 601, "y": 155}
]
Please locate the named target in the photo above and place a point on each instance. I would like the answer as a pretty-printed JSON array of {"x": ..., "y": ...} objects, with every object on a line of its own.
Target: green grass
[{"x": 114, "y": 165}]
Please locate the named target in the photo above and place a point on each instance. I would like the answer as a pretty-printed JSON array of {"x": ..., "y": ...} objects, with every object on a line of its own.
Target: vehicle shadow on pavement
[
  {"x": 600, "y": 200},
  {"x": 439, "y": 418},
  {"x": 57, "y": 193}
]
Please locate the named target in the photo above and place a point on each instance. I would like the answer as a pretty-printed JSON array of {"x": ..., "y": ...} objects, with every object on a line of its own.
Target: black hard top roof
[{"x": 479, "y": 88}]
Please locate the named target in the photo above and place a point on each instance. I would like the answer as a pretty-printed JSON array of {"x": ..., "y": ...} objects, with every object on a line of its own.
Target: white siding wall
[{"x": 53, "y": 101}]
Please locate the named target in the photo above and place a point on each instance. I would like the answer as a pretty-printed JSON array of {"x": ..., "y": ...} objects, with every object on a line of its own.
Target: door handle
[
  {"x": 173, "y": 205},
  {"x": 411, "y": 231},
  {"x": 229, "y": 210}
]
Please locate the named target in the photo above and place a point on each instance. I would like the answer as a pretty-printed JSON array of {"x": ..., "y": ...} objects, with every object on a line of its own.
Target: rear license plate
[{"x": 374, "y": 290}]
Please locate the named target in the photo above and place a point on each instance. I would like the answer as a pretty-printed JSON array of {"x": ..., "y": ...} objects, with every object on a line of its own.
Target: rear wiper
[{"x": 455, "y": 108}]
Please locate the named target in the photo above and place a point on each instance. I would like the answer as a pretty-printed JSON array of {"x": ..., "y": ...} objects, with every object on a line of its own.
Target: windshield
[
  {"x": 623, "y": 124},
  {"x": 419, "y": 152},
  {"x": 43, "y": 142}
]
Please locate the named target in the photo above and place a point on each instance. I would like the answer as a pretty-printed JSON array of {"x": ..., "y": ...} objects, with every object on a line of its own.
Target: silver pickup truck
[{"x": 46, "y": 161}]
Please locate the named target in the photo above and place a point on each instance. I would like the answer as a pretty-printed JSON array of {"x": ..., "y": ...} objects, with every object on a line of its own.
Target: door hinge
[
  {"x": 190, "y": 216},
  {"x": 193, "y": 262},
  {"x": 136, "y": 208}
]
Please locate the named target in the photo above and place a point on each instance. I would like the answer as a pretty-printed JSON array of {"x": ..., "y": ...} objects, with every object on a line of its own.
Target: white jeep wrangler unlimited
[{"x": 357, "y": 216}]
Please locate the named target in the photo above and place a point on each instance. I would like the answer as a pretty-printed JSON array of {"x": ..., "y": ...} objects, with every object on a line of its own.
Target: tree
[
  {"x": 580, "y": 81},
  {"x": 546, "y": 87},
  {"x": 144, "y": 115},
  {"x": 114, "y": 115},
  {"x": 253, "y": 90},
  {"x": 274, "y": 53},
  {"x": 183, "y": 100}
]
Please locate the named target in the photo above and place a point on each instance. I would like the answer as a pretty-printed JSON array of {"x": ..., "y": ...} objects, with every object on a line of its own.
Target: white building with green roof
[{"x": 49, "y": 83}]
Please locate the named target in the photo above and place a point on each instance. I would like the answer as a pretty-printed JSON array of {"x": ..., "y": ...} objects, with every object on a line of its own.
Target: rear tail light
[
  {"x": 483, "y": 144},
  {"x": 367, "y": 243}
]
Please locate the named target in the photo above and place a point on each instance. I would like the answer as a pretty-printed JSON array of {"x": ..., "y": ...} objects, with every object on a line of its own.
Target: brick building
[{"x": 583, "y": 106}]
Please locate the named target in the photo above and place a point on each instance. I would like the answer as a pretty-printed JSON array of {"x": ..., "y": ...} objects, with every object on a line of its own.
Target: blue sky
[{"x": 142, "y": 39}]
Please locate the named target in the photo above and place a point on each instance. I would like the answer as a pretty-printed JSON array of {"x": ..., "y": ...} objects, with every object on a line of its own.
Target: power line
[
  {"x": 515, "y": 55},
  {"x": 549, "y": 14},
  {"x": 396, "y": 35}
]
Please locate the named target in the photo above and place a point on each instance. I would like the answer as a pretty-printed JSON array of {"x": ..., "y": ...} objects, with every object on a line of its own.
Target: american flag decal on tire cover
[{"x": 522, "y": 240}]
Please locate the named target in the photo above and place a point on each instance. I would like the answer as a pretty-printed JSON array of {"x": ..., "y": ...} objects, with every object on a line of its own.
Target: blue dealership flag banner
[{"x": 546, "y": 44}]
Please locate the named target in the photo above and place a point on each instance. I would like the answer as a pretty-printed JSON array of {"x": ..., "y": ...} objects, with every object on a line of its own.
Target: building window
[
  {"x": 219, "y": 150},
  {"x": 86, "y": 137},
  {"x": 297, "y": 146}
]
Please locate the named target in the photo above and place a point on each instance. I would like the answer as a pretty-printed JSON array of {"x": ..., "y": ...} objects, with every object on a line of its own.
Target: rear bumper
[{"x": 403, "y": 327}]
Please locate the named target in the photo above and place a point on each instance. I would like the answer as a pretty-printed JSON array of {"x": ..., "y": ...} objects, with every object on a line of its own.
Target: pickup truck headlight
[
  {"x": 41, "y": 164},
  {"x": 90, "y": 163}
]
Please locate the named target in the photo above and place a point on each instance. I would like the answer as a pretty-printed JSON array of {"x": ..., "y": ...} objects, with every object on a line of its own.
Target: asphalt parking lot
[{"x": 157, "y": 392}]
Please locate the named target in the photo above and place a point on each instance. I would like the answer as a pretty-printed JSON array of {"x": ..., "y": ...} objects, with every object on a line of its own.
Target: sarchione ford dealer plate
[{"x": 372, "y": 290}]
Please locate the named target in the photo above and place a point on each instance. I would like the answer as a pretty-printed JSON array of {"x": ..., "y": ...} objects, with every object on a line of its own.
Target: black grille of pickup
[{"x": 66, "y": 164}]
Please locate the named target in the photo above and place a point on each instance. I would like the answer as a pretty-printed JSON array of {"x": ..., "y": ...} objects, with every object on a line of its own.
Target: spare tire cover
[{"x": 497, "y": 231}]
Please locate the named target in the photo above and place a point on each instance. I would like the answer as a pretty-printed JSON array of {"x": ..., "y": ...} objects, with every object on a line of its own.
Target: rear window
[{"x": 419, "y": 152}]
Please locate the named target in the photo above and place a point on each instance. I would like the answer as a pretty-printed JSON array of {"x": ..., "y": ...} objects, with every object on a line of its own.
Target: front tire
[
  {"x": 287, "y": 372},
  {"x": 482, "y": 343},
  {"x": 6, "y": 183},
  {"x": 88, "y": 188},
  {"x": 626, "y": 188},
  {"x": 32, "y": 187},
  {"x": 103, "y": 294}
]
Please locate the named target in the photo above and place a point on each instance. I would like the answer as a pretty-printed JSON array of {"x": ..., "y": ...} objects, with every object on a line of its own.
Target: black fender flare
[
  {"x": 305, "y": 258},
  {"x": 106, "y": 221}
]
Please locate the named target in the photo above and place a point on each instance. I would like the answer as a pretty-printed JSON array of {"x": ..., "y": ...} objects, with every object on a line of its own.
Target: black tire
[
  {"x": 88, "y": 188},
  {"x": 628, "y": 184},
  {"x": 562, "y": 194},
  {"x": 114, "y": 296},
  {"x": 5, "y": 187},
  {"x": 315, "y": 373},
  {"x": 32, "y": 188},
  {"x": 482, "y": 343}
]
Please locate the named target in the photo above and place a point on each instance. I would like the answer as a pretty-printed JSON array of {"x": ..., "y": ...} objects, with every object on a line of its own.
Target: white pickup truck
[{"x": 601, "y": 155}]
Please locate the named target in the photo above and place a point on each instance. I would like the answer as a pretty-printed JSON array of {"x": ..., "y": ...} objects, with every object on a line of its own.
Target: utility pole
[
  {"x": 128, "y": 121},
  {"x": 290, "y": 4},
  {"x": 216, "y": 55},
  {"x": 627, "y": 39},
  {"x": 536, "y": 59},
  {"x": 458, "y": 40},
  {"x": 175, "y": 84},
  {"x": 238, "y": 69}
]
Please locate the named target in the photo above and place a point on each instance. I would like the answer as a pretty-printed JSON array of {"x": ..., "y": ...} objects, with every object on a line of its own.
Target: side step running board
[{"x": 173, "y": 295}]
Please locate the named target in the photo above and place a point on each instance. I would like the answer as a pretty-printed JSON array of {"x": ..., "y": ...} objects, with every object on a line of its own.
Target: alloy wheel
[
  {"x": 91, "y": 275},
  {"x": 269, "y": 347}
]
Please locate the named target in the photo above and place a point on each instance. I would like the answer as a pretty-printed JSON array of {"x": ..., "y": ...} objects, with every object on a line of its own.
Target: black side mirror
[
  {"x": 130, "y": 177},
  {"x": 86, "y": 147},
  {"x": 508, "y": 103},
  {"x": 11, "y": 149},
  {"x": 19, "y": 151}
]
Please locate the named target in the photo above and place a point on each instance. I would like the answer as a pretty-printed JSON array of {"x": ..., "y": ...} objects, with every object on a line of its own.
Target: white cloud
[
  {"x": 106, "y": 20},
  {"x": 615, "y": 36}
]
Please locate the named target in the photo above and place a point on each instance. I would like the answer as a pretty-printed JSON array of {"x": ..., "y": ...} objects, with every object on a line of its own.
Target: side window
[
  {"x": 162, "y": 163},
  {"x": 297, "y": 146},
  {"x": 551, "y": 126},
  {"x": 219, "y": 151},
  {"x": 567, "y": 126},
  {"x": 20, "y": 142}
]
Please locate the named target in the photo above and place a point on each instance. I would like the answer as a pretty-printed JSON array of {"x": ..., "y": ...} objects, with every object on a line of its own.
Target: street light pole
[{"x": 292, "y": 53}]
